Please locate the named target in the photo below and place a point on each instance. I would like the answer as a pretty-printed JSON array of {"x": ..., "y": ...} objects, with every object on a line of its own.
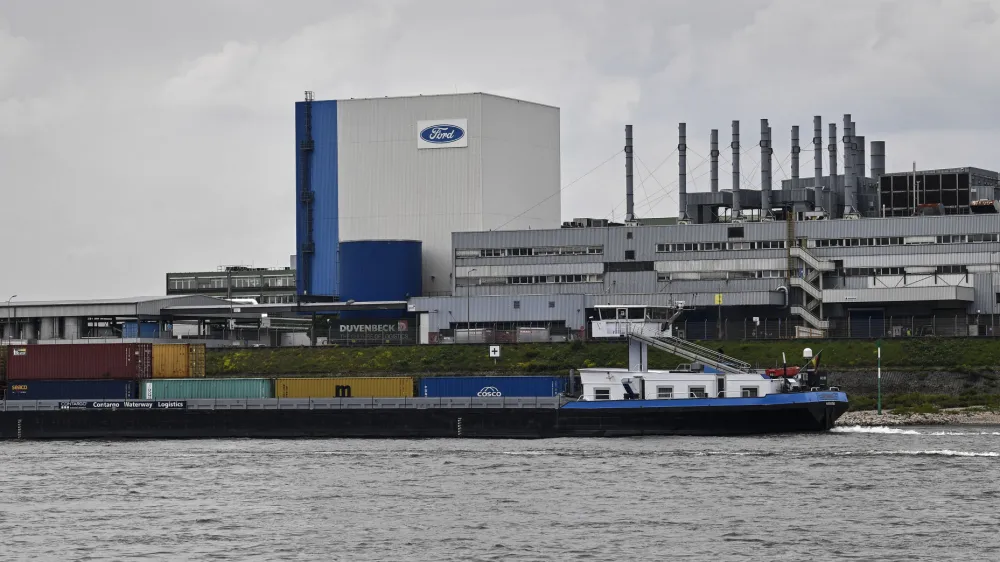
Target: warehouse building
[
  {"x": 821, "y": 254},
  {"x": 259, "y": 284},
  {"x": 409, "y": 170}
]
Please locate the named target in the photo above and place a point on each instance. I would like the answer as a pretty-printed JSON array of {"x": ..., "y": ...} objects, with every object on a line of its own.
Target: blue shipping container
[
  {"x": 70, "y": 390},
  {"x": 140, "y": 330},
  {"x": 468, "y": 387}
]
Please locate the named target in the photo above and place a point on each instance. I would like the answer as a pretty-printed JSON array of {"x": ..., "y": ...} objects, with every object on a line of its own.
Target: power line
[{"x": 563, "y": 188}]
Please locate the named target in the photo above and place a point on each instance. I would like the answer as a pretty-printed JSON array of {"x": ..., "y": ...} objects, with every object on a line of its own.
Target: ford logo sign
[{"x": 442, "y": 134}]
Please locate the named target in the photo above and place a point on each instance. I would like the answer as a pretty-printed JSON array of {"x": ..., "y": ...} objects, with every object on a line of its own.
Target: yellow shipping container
[
  {"x": 347, "y": 387},
  {"x": 178, "y": 360}
]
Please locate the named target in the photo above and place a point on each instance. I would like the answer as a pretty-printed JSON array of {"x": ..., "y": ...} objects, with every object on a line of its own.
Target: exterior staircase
[{"x": 805, "y": 273}]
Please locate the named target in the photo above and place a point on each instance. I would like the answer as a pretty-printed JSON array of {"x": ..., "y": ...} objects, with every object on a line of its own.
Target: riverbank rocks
[{"x": 870, "y": 418}]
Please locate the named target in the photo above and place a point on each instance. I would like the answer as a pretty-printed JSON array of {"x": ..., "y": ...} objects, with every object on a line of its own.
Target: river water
[{"x": 852, "y": 494}]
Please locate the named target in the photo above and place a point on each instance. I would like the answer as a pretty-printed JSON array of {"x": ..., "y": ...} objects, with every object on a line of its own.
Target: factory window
[
  {"x": 519, "y": 252},
  {"x": 595, "y": 250},
  {"x": 748, "y": 391},
  {"x": 662, "y": 248},
  {"x": 284, "y": 281},
  {"x": 697, "y": 392},
  {"x": 736, "y": 232},
  {"x": 952, "y": 269},
  {"x": 629, "y": 255},
  {"x": 468, "y": 253},
  {"x": 711, "y": 246},
  {"x": 494, "y": 253},
  {"x": 517, "y": 304},
  {"x": 182, "y": 284},
  {"x": 628, "y": 235},
  {"x": 552, "y": 304},
  {"x": 998, "y": 298},
  {"x": 246, "y": 282},
  {"x": 739, "y": 245},
  {"x": 664, "y": 392},
  {"x": 984, "y": 237},
  {"x": 602, "y": 394},
  {"x": 771, "y": 245},
  {"x": 662, "y": 277}
]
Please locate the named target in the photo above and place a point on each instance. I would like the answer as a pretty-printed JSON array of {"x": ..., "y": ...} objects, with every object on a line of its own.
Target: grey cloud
[{"x": 139, "y": 138}]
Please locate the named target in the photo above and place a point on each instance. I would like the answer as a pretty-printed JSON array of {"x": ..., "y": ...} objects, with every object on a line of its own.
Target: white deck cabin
[
  {"x": 618, "y": 321},
  {"x": 609, "y": 384}
]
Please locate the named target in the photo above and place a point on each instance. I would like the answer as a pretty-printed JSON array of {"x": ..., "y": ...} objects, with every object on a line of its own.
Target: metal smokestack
[
  {"x": 629, "y": 203},
  {"x": 850, "y": 188},
  {"x": 817, "y": 157},
  {"x": 832, "y": 187},
  {"x": 765, "y": 165},
  {"x": 736, "y": 168},
  {"x": 878, "y": 159},
  {"x": 714, "y": 154},
  {"x": 682, "y": 196},
  {"x": 795, "y": 154},
  {"x": 861, "y": 170}
]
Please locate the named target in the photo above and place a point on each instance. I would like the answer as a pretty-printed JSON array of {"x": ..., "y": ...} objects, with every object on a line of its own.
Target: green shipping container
[{"x": 193, "y": 389}]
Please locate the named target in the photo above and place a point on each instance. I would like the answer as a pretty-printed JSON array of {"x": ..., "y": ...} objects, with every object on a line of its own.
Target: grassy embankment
[{"x": 963, "y": 356}]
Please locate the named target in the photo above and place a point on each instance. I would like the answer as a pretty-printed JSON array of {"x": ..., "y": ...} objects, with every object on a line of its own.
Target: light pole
[
  {"x": 468, "y": 307},
  {"x": 9, "y": 327}
]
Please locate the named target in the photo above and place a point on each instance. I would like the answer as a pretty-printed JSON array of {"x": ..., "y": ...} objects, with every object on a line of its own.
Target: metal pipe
[
  {"x": 10, "y": 327},
  {"x": 878, "y": 159},
  {"x": 682, "y": 170},
  {"x": 817, "y": 158},
  {"x": 765, "y": 164},
  {"x": 714, "y": 154},
  {"x": 795, "y": 154},
  {"x": 849, "y": 186},
  {"x": 629, "y": 203},
  {"x": 736, "y": 168}
]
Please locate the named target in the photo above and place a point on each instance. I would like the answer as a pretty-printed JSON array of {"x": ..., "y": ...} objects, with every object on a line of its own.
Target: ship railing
[
  {"x": 499, "y": 402},
  {"x": 694, "y": 352}
]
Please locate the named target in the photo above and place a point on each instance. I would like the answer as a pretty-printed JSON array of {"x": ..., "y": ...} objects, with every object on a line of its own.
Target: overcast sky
[{"x": 138, "y": 138}]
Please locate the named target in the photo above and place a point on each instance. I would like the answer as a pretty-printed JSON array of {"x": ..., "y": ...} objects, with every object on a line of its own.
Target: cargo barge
[{"x": 724, "y": 397}]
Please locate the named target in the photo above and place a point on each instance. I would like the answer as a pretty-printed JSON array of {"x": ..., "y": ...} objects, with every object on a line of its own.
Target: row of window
[
  {"x": 537, "y": 251},
  {"x": 243, "y": 282},
  {"x": 667, "y": 392},
  {"x": 530, "y": 279},
  {"x": 718, "y": 246},
  {"x": 780, "y": 273}
]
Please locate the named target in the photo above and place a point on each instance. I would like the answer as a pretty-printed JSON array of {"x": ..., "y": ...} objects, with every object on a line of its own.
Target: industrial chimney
[
  {"x": 878, "y": 159},
  {"x": 714, "y": 155},
  {"x": 765, "y": 168},
  {"x": 817, "y": 158},
  {"x": 629, "y": 203},
  {"x": 850, "y": 185},
  {"x": 832, "y": 187},
  {"x": 682, "y": 195},
  {"x": 795, "y": 155},
  {"x": 736, "y": 169}
]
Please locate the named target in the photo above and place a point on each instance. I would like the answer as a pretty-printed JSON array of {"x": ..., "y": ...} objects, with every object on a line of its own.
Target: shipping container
[
  {"x": 193, "y": 389},
  {"x": 70, "y": 390},
  {"x": 178, "y": 360},
  {"x": 80, "y": 361},
  {"x": 467, "y": 387},
  {"x": 344, "y": 387}
]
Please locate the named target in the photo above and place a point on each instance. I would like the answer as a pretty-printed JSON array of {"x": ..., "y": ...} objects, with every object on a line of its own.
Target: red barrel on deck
[{"x": 80, "y": 361}]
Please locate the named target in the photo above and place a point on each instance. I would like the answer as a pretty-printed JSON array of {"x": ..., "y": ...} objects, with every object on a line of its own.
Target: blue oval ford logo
[{"x": 442, "y": 134}]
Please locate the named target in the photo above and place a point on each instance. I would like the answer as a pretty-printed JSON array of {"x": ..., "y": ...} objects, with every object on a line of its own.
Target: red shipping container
[{"x": 80, "y": 361}]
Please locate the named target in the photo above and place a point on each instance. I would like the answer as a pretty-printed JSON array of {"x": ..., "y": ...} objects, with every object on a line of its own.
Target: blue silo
[{"x": 380, "y": 270}]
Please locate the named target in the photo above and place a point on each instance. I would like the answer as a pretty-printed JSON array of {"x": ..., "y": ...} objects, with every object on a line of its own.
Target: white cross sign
[{"x": 494, "y": 351}]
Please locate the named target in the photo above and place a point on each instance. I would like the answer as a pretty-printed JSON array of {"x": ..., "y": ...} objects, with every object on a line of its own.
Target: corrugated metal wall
[
  {"x": 390, "y": 189},
  {"x": 443, "y": 311},
  {"x": 380, "y": 270},
  {"x": 324, "y": 181},
  {"x": 344, "y": 387}
]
